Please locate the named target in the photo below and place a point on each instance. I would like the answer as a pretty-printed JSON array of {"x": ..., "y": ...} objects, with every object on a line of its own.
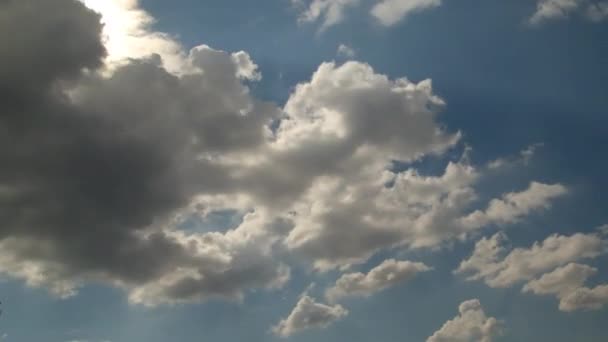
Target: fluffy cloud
[
  {"x": 308, "y": 314},
  {"x": 512, "y": 207},
  {"x": 552, "y": 261},
  {"x": 470, "y": 325},
  {"x": 584, "y": 298},
  {"x": 566, "y": 283},
  {"x": 390, "y": 12},
  {"x": 328, "y": 12},
  {"x": 107, "y": 157},
  {"x": 555, "y": 9},
  {"x": 389, "y": 273},
  {"x": 498, "y": 267},
  {"x": 102, "y": 164},
  {"x": 562, "y": 280}
]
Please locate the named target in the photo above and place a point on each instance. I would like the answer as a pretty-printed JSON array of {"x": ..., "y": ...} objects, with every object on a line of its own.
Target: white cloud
[
  {"x": 499, "y": 267},
  {"x": 585, "y": 298},
  {"x": 345, "y": 51},
  {"x": 556, "y": 9},
  {"x": 566, "y": 283},
  {"x": 328, "y": 12},
  {"x": 389, "y": 273},
  {"x": 561, "y": 281},
  {"x": 512, "y": 207},
  {"x": 471, "y": 324},
  {"x": 308, "y": 314},
  {"x": 525, "y": 157},
  {"x": 390, "y": 12}
]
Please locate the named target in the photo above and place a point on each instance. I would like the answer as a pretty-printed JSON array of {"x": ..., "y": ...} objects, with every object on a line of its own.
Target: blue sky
[{"x": 508, "y": 85}]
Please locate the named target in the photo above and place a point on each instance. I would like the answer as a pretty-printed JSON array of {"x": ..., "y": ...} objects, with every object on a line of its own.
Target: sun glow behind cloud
[{"x": 128, "y": 34}]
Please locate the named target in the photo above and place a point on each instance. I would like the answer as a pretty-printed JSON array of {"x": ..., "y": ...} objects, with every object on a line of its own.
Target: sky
[{"x": 303, "y": 170}]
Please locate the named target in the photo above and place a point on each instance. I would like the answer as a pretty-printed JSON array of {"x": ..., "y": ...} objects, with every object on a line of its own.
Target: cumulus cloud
[
  {"x": 584, "y": 298},
  {"x": 102, "y": 164},
  {"x": 492, "y": 262},
  {"x": 566, "y": 283},
  {"x": 327, "y": 12},
  {"x": 472, "y": 324},
  {"x": 513, "y": 206},
  {"x": 562, "y": 280},
  {"x": 559, "y": 9},
  {"x": 391, "y": 12},
  {"x": 309, "y": 314},
  {"x": 109, "y": 152},
  {"x": 389, "y": 273}
]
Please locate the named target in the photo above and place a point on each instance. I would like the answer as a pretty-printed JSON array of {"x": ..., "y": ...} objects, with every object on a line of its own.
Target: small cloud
[
  {"x": 525, "y": 157},
  {"x": 563, "y": 9},
  {"x": 391, "y": 12},
  {"x": 309, "y": 314},
  {"x": 389, "y": 273},
  {"x": 346, "y": 52},
  {"x": 471, "y": 324}
]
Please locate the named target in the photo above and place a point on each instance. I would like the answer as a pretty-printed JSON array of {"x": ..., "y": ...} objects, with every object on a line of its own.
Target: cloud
[
  {"x": 524, "y": 158},
  {"x": 499, "y": 267},
  {"x": 391, "y": 12},
  {"x": 561, "y": 281},
  {"x": 127, "y": 33},
  {"x": 584, "y": 298},
  {"x": 513, "y": 206},
  {"x": 597, "y": 11},
  {"x": 308, "y": 314},
  {"x": 389, "y": 273},
  {"x": 345, "y": 51},
  {"x": 105, "y": 163},
  {"x": 566, "y": 283},
  {"x": 471, "y": 324},
  {"x": 559, "y": 9},
  {"x": 107, "y": 157},
  {"x": 328, "y": 12}
]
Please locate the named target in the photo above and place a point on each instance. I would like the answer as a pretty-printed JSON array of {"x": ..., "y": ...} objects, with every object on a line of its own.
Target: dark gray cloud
[{"x": 94, "y": 167}]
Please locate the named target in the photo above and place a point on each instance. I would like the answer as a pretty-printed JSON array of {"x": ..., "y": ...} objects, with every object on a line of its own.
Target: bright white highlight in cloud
[
  {"x": 309, "y": 314},
  {"x": 127, "y": 33},
  {"x": 390, "y": 12},
  {"x": 470, "y": 325},
  {"x": 389, "y": 273}
]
